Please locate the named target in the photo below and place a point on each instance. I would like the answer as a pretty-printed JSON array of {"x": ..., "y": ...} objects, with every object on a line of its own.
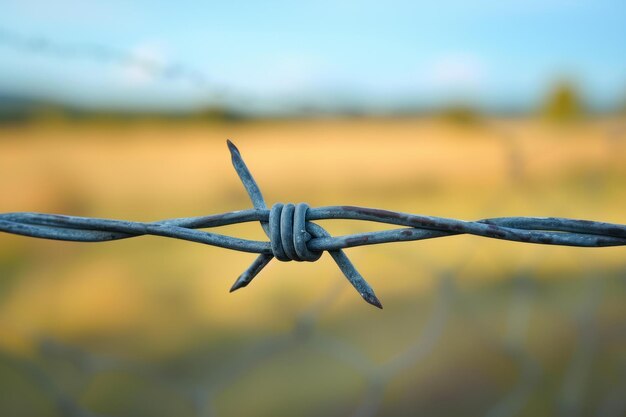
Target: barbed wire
[
  {"x": 215, "y": 93},
  {"x": 172, "y": 71},
  {"x": 294, "y": 237}
]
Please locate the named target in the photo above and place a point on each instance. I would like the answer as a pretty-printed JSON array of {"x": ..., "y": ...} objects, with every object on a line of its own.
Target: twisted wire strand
[
  {"x": 166, "y": 71},
  {"x": 293, "y": 235},
  {"x": 173, "y": 71}
]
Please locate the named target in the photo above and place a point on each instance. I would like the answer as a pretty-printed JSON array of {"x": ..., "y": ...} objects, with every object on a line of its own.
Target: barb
[{"x": 294, "y": 237}]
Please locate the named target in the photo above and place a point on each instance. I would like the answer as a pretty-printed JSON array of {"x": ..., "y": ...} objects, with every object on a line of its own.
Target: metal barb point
[{"x": 373, "y": 300}]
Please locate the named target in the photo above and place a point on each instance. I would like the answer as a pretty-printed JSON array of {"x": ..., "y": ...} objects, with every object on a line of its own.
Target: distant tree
[
  {"x": 563, "y": 103},
  {"x": 461, "y": 114}
]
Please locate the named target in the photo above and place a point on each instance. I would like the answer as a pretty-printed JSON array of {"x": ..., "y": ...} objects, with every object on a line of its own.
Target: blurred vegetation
[
  {"x": 462, "y": 114},
  {"x": 20, "y": 110},
  {"x": 564, "y": 103}
]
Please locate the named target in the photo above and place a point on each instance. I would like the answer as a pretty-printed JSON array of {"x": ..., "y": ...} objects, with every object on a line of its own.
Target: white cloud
[
  {"x": 146, "y": 62},
  {"x": 456, "y": 71}
]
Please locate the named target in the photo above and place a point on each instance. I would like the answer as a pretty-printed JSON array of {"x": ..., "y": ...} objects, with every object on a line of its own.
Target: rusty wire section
[{"x": 294, "y": 237}]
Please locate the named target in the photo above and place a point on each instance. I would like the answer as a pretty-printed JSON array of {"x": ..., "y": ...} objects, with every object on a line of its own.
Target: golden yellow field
[{"x": 165, "y": 303}]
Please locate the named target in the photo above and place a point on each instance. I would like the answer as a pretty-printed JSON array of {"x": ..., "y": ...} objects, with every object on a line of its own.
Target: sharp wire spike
[
  {"x": 252, "y": 271},
  {"x": 343, "y": 262},
  {"x": 259, "y": 203},
  {"x": 248, "y": 181}
]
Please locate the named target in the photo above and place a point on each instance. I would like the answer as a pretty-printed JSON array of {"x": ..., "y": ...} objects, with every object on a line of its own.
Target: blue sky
[{"x": 378, "y": 55}]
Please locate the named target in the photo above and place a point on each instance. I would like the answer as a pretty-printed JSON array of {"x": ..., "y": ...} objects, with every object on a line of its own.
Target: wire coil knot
[{"x": 289, "y": 234}]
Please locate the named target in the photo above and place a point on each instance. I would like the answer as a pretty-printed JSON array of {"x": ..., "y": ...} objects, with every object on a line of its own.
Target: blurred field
[{"x": 519, "y": 329}]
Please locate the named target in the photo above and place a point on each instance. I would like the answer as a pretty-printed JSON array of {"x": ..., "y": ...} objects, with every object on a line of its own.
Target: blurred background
[{"x": 456, "y": 109}]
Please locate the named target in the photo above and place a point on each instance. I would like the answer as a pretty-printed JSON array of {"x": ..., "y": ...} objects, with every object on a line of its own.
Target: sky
[{"x": 373, "y": 55}]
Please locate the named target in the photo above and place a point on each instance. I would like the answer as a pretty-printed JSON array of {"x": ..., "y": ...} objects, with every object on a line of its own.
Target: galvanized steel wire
[{"x": 294, "y": 237}]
